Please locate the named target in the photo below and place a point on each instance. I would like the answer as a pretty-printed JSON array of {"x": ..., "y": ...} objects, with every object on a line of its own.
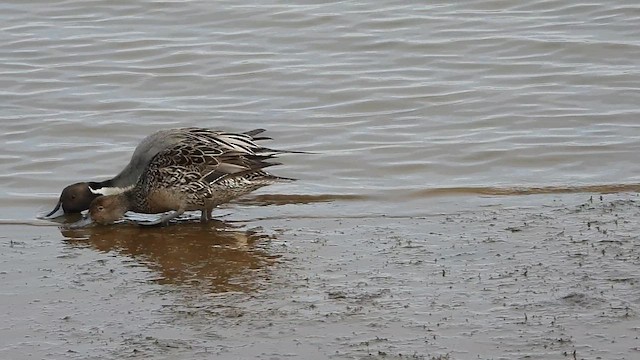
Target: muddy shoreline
[{"x": 537, "y": 277}]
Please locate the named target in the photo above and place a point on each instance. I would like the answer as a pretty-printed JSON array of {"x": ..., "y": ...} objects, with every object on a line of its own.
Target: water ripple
[{"x": 478, "y": 94}]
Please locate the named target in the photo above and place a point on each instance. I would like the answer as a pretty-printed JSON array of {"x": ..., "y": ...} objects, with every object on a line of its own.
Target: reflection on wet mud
[{"x": 216, "y": 255}]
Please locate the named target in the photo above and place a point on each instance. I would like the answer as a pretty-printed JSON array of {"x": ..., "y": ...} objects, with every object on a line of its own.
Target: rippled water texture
[{"x": 446, "y": 210}]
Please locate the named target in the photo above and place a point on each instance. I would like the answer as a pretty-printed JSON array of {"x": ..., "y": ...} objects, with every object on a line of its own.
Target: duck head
[
  {"x": 104, "y": 210},
  {"x": 108, "y": 209},
  {"x": 74, "y": 199}
]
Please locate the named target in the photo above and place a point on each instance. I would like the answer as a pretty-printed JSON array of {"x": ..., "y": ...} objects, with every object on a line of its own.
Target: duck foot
[{"x": 162, "y": 220}]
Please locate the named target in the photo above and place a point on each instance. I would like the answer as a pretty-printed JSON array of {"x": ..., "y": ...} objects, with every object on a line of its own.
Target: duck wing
[
  {"x": 239, "y": 142},
  {"x": 222, "y": 153},
  {"x": 205, "y": 162}
]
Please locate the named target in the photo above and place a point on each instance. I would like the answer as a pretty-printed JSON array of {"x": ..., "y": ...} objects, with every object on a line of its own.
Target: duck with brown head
[
  {"x": 77, "y": 197},
  {"x": 74, "y": 198},
  {"x": 193, "y": 175}
]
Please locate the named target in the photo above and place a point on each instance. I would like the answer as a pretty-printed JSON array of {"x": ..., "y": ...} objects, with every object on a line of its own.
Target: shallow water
[{"x": 445, "y": 211}]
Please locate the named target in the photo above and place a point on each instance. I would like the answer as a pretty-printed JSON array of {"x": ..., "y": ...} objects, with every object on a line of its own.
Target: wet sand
[{"x": 536, "y": 277}]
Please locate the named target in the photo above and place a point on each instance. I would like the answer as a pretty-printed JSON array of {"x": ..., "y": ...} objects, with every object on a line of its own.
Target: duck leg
[
  {"x": 206, "y": 215},
  {"x": 164, "y": 219}
]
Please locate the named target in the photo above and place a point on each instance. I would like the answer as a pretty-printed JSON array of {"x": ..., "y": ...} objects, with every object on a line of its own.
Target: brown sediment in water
[
  {"x": 526, "y": 190},
  {"x": 284, "y": 199},
  {"x": 396, "y": 194}
]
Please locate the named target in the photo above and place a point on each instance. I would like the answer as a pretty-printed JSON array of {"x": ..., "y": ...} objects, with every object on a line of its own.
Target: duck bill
[
  {"x": 55, "y": 213},
  {"x": 85, "y": 221}
]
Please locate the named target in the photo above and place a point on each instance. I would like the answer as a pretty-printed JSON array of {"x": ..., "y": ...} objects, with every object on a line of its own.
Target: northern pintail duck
[
  {"x": 198, "y": 174},
  {"x": 77, "y": 197}
]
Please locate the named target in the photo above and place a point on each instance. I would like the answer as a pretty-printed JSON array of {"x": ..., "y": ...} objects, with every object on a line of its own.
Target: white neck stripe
[{"x": 110, "y": 190}]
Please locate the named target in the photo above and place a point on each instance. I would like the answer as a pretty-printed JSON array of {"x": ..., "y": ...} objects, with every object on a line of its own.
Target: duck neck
[
  {"x": 107, "y": 187},
  {"x": 134, "y": 199}
]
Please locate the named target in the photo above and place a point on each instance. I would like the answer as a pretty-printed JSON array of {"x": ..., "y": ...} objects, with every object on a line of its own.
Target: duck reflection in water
[{"x": 216, "y": 256}]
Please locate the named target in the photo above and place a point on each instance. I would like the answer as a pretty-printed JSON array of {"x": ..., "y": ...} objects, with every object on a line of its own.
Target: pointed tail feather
[
  {"x": 277, "y": 151},
  {"x": 254, "y": 132}
]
